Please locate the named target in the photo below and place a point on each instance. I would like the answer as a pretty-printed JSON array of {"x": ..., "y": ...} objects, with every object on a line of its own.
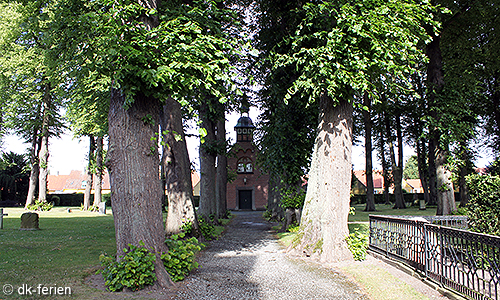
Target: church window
[{"x": 245, "y": 165}]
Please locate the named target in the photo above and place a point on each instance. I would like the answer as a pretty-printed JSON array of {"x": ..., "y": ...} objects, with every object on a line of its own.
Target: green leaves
[
  {"x": 175, "y": 51},
  {"x": 135, "y": 269},
  {"x": 339, "y": 49},
  {"x": 179, "y": 260}
]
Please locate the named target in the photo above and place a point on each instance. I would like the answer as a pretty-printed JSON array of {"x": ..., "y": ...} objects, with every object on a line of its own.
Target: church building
[{"x": 250, "y": 188}]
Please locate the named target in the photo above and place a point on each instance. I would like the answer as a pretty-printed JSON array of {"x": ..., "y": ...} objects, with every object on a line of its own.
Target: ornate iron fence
[{"x": 464, "y": 261}]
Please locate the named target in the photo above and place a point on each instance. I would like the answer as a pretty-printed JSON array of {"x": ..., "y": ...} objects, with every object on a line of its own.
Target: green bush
[
  {"x": 135, "y": 270},
  {"x": 179, "y": 260},
  {"x": 291, "y": 198},
  {"x": 484, "y": 205},
  {"x": 357, "y": 242},
  {"x": 207, "y": 229},
  {"x": 41, "y": 206}
]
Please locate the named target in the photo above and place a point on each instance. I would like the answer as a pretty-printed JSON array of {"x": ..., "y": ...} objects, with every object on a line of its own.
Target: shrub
[
  {"x": 357, "y": 242},
  {"x": 484, "y": 205},
  {"x": 41, "y": 206},
  {"x": 207, "y": 229},
  {"x": 179, "y": 260},
  {"x": 291, "y": 198},
  {"x": 135, "y": 270}
]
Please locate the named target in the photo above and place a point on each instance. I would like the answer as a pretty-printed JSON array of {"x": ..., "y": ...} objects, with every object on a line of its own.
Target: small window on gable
[{"x": 245, "y": 165}]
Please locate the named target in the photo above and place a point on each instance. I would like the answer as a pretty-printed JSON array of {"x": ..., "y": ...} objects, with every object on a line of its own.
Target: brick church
[{"x": 249, "y": 190}]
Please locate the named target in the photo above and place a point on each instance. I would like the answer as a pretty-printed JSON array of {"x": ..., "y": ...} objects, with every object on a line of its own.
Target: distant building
[
  {"x": 76, "y": 182},
  {"x": 250, "y": 188},
  {"x": 359, "y": 184}
]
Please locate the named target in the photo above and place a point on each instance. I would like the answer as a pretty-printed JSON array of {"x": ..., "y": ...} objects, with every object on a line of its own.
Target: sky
[{"x": 68, "y": 153}]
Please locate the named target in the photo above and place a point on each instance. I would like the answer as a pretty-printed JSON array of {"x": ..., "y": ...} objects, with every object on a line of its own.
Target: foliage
[
  {"x": 207, "y": 229},
  {"x": 410, "y": 170},
  {"x": 291, "y": 198},
  {"x": 293, "y": 228},
  {"x": 180, "y": 259},
  {"x": 41, "y": 206},
  {"x": 134, "y": 270},
  {"x": 357, "y": 242},
  {"x": 484, "y": 204},
  {"x": 14, "y": 176},
  {"x": 494, "y": 167},
  {"x": 92, "y": 208}
]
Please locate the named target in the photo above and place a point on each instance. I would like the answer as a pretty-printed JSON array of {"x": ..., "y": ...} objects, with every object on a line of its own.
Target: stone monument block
[{"x": 29, "y": 221}]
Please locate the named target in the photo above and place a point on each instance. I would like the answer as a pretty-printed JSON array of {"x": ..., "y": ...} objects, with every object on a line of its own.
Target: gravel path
[{"x": 248, "y": 263}]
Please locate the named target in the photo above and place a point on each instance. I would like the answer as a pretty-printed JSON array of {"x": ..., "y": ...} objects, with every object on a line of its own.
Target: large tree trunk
[
  {"x": 446, "y": 194},
  {"x": 221, "y": 183},
  {"x": 175, "y": 159},
  {"x": 134, "y": 174},
  {"x": 90, "y": 175},
  {"x": 431, "y": 152},
  {"x": 99, "y": 171},
  {"x": 324, "y": 219},
  {"x": 35, "y": 168},
  {"x": 422, "y": 169},
  {"x": 43, "y": 158},
  {"x": 370, "y": 198},
  {"x": 208, "y": 155},
  {"x": 463, "y": 191},
  {"x": 435, "y": 77},
  {"x": 385, "y": 169},
  {"x": 396, "y": 170}
]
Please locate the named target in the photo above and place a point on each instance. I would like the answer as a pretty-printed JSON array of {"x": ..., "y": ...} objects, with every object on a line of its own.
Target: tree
[
  {"x": 410, "y": 170},
  {"x": 370, "y": 198},
  {"x": 177, "y": 174},
  {"x": 13, "y": 177},
  {"x": 150, "y": 53},
  {"x": 286, "y": 128},
  {"x": 32, "y": 110},
  {"x": 336, "y": 60}
]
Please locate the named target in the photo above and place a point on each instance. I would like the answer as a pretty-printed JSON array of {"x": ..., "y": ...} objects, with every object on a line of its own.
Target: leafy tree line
[{"x": 445, "y": 112}]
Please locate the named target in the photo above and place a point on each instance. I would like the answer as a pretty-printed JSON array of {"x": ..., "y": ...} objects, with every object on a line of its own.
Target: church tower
[{"x": 249, "y": 190}]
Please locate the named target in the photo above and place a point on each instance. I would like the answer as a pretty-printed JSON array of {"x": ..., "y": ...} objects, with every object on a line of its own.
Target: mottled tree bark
[
  {"x": 370, "y": 198},
  {"x": 90, "y": 175},
  {"x": 324, "y": 218},
  {"x": 175, "y": 159},
  {"x": 134, "y": 174}
]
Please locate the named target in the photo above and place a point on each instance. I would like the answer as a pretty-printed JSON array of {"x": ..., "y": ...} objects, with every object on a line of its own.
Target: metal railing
[{"x": 464, "y": 261}]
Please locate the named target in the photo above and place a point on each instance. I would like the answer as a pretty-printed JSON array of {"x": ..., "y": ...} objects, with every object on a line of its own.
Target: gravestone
[
  {"x": 102, "y": 208},
  {"x": 29, "y": 221}
]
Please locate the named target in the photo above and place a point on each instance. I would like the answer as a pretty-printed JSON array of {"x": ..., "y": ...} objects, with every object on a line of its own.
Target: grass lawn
[
  {"x": 382, "y": 209},
  {"x": 62, "y": 253}
]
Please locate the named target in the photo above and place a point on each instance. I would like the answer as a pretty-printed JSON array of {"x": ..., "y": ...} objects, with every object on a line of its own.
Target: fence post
[{"x": 426, "y": 251}]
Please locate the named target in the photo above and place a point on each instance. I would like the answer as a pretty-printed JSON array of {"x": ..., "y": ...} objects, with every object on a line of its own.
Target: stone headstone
[
  {"x": 102, "y": 208},
  {"x": 29, "y": 221}
]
